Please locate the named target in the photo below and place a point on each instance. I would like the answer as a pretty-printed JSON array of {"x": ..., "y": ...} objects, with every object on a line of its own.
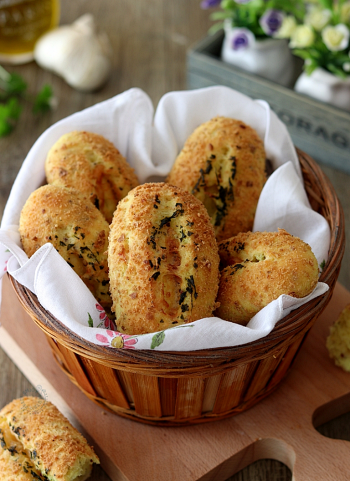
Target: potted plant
[
  {"x": 256, "y": 35},
  {"x": 322, "y": 40}
]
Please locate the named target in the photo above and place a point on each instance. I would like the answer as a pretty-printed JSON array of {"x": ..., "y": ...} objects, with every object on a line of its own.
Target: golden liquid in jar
[{"x": 22, "y": 22}]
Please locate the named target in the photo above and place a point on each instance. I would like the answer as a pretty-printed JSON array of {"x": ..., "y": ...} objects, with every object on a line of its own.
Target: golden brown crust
[
  {"x": 14, "y": 462},
  {"x": 163, "y": 260},
  {"x": 90, "y": 163},
  {"x": 44, "y": 439},
  {"x": 259, "y": 267},
  {"x": 223, "y": 164},
  {"x": 76, "y": 229},
  {"x": 338, "y": 341}
]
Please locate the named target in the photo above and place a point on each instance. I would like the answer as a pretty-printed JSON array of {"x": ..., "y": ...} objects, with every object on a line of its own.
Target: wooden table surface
[{"x": 149, "y": 41}]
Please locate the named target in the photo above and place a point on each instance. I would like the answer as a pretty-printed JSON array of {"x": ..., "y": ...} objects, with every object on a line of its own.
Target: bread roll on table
[
  {"x": 338, "y": 341},
  {"x": 38, "y": 442}
]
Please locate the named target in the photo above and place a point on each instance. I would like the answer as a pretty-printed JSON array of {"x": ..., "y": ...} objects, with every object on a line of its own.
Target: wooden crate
[{"x": 321, "y": 130}]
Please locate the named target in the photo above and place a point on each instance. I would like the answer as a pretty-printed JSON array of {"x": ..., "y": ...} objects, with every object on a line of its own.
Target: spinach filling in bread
[
  {"x": 76, "y": 228},
  {"x": 223, "y": 164},
  {"x": 257, "y": 267},
  {"x": 163, "y": 260},
  {"x": 38, "y": 443},
  {"x": 91, "y": 164}
]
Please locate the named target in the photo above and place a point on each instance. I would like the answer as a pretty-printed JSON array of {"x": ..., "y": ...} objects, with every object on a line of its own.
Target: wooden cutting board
[{"x": 279, "y": 427}]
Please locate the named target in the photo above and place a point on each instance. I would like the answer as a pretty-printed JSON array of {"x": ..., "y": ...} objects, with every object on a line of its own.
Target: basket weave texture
[{"x": 181, "y": 388}]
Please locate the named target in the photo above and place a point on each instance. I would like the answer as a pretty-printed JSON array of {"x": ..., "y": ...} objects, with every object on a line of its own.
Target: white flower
[
  {"x": 303, "y": 36},
  {"x": 336, "y": 38},
  {"x": 288, "y": 26},
  {"x": 241, "y": 38},
  {"x": 345, "y": 12},
  {"x": 271, "y": 21},
  {"x": 318, "y": 18}
]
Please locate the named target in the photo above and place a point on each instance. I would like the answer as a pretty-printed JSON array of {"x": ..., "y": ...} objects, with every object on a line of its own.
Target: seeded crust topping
[
  {"x": 38, "y": 443},
  {"x": 90, "y": 163},
  {"x": 163, "y": 260},
  {"x": 258, "y": 267},
  {"x": 223, "y": 164},
  {"x": 77, "y": 230}
]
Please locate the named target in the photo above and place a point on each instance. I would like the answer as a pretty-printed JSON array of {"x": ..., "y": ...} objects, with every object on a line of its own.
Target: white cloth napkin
[{"x": 151, "y": 141}]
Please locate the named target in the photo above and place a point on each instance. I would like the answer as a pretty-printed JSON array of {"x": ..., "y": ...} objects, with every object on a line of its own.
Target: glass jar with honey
[{"x": 22, "y": 22}]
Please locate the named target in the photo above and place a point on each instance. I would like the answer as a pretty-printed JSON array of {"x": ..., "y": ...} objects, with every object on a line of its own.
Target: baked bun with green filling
[
  {"x": 93, "y": 165},
  {"x": 163, "y": 260},
  {"x": 258, "y": 267},
  {"x": 38, "y": 443},
  {"x": 76, "y": 228},
  {"x": 223, "y": 164},
  {"x": 338, "y": 341}
]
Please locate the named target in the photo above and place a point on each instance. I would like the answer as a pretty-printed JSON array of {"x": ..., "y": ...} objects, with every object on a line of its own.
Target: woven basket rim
[{"x": 295, "y": 321}]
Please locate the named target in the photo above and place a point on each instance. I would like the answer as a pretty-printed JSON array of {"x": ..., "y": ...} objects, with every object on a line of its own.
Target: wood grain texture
[
  {"x": 149, "y": 41},
  {"x": 231, "y": 387},
  {"x": 281, "y": 427}
]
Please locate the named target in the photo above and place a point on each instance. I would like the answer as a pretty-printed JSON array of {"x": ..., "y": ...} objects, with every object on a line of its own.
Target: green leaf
[
  {"x": 326, "y": 4},
  {"x": 90, "y": 321},
  {"x": 11, "y": 84},
  {"x": 215, "y": 28},
  {"x": 322, "y": 265},
  {"x": 304, "y": 54},
  {"x": 310, "y": 68},
  {"x": 157, "y": 339},
  {"x": 9, "y": 113},
  {"x": 337, "y": 71},
  {"x": 16, "y": 84},
  {"x": 220, "y": 15},
  {"x": 42, "y": 100},
  {"x": 12, "y": 90},
  {"x": 228, "y": 4},
  {"x": 315, "y": 53}
]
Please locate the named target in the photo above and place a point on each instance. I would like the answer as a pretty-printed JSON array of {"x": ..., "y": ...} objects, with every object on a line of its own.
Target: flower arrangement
[
  {"x": 322, "y": 40},
  {"x": 317, "y": 30},
  {"x": 256, "y": 35},
  {"x": 255, "y": 19}
]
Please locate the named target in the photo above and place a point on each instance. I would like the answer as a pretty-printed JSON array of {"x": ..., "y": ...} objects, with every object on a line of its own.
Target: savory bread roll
[
  {"x": 258, "y": 267},
  {"x": 15, "y": 465},
  {"x": 90, "y": 163},
  {"x": 38, "y": 442},
  {"x": 338, "y": 341},
  {"x": 223, "y": 164},
  {"x": 76, "y": 229},
  {"x": 163, "y": 260}
]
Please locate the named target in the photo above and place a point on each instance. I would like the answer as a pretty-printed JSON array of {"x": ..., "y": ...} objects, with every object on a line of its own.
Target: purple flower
[
  {"x": 271, "y": 21},
  {"x": 210, "y": 3},
  {"x": 241, "y": 38}
]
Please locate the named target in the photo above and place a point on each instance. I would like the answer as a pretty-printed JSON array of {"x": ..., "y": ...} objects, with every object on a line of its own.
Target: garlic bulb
[{"x": 76, "y": 53}]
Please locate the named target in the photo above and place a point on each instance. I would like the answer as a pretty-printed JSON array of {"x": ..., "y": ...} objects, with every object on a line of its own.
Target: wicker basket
[{"x": 181, "y": 388}]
